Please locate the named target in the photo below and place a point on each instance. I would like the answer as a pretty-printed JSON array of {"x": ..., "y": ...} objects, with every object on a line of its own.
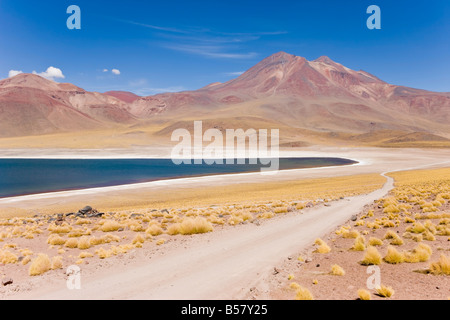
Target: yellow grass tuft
[
  {"x": 303, "y": 294},
  {"x": 7, "y": 257},
  {"x": 371, "y": 256},
  {"x": 359, "y": 244},
  {"x": 364, "y": 294},
  {"x": 421, "y": 253},
  {"x": 385, "y": 292},
  {"x": 393, "y": 256},
  {"x": 138, "y": 239},
  {"x": 40, "y": 265},
  {"x": 336, "y": 270},
  {"x": 190, "y": 226},
  {"x": 323, "y": 247},
  {"x": 84, "y": 243},
  {"x": 56, "y": 262},
  {"x": 441, "y": 267},
  {"x": 373, "y": 241},
  {"x": 110, "y": 225},
  {"x": 55, "y": 240},
  {"x": 85, "y": 254},
  {"x": 71, "y": 243}
]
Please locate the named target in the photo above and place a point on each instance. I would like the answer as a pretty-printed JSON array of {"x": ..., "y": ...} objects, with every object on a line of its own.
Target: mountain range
[{"x": 309, "y": 101}]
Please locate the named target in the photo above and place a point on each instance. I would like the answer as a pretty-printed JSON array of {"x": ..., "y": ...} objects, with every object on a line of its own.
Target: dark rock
[
  {"x": 354, "y": 217},
  {"x": 342, "y": 198},
  {"x": 317, "y": 265},
  {"x": 164, "y": 210},
  {"x": 276, "y": 271},
  {"x": 86, "y": 209},
  {"x": 136, "y": 215},
  {"x": 7, "y": 281},
  {"x": 120, "y": 229},
  {"x": 95, "y": 214}
]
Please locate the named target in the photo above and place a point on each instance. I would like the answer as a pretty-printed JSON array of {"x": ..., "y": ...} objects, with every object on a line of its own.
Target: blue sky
[{"x": 160, "y": 46}]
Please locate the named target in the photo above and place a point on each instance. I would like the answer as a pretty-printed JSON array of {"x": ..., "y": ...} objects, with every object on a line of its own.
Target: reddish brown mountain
[
  {"x": 125, "y": 96},
  {"x": 286, "y": 90}
]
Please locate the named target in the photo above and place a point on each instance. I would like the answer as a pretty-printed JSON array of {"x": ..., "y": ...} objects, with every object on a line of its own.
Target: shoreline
[{"x": 161, "y": 182}]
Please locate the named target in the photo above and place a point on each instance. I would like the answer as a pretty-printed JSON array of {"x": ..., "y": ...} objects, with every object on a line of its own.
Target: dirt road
[{"x": 220, "y": 265}]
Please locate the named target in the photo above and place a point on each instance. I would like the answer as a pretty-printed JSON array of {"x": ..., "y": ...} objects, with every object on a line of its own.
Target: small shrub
[
  {"x": 359, "y": 244},
  {"x": 323, "y": 247},
  {"x": 373, "y": 241},
  {"x": 110, "y": 225},
  {"x": 364, "y": 294},
  {"x": 336, "y": 270},
  {"x": 393, "y": 256},
  {"x": 303, "y": 294},
  {"x": 40, "y": 265},
  {"x": 371, "y": 257},
  {"x": 56, "y": 262},
  {"x": 385, "y": 292},
  {"x": 7, "y": 257},
  {"x": 71, "y": 243},
  {"x": 441, "y": 267}
]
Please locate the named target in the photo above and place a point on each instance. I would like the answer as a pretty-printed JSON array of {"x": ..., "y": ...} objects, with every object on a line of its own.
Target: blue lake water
[{"x": 31, "y": 176}]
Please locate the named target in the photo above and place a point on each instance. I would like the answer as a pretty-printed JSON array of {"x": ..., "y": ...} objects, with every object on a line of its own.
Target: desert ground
[{"x": 261, "y": 225}]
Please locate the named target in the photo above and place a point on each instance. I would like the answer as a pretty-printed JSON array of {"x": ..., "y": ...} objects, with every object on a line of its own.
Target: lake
[{"x": 31, "y": 176}]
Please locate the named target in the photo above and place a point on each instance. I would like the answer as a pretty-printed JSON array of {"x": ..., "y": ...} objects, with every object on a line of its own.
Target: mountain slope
[{"x": 319, "y": 98}]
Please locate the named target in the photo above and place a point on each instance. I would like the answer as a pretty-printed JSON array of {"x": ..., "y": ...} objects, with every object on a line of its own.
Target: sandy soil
[{"x": 229, "y": 263}]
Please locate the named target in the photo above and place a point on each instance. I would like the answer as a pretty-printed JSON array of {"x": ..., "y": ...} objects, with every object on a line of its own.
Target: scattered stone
[
  {"x": 327, "y": 205},
  {"x": 342, "y": 198},
  {"x": 120, "y": 229},
  {"x": 317, "y": 265},
  {"x": 275, "y": 271},
  {"x": 308, "y": 260},
  {"x": 136, "y": 215},
  {"x": 85, "y": 210},
  {"x": 7, "y": 281},
  {"x": 354, "y": 217},
  {"x": 257, "y": 222}
]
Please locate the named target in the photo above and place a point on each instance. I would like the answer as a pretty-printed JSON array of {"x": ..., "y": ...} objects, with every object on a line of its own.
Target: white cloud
[
  {"x": 105, "y": 70},
  {"x": 115, "y": 71},
  {"x": 51, "y": 73},
  {"x": 234, "y": 74},
  {"x": 13, "y": 73}
]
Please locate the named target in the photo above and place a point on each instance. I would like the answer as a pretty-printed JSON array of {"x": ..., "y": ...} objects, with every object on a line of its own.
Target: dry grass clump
[
  {"x": 417, "y": 227},
  {"x": 441, "y": 267},
  {"x": 359, "y": 244},
  {"x": 393, "y": 256},
  {"x": 110, "y": 225},
  {"x": 323, "y": 247},
  {"x": 56, "y": 262},
  {"x": 85, "y": 254},
  {"x": 154, "y": 230},
  {"x": 303, "y": 294},
  {"x": 190, "y": 226},
  {"x": 421, "y": 253},
  {"x": 71, "y": 243},
  {"x": 64, "y": 228},
  {"x": 394, "y": 237},
  {"x": 337, "y": 270},
  {"x": 7, "y": 257},
  {"x": 56, "y": 240},
  {"x": 103, "y": 253},
  {"x": 385, "y": 292},
  {"x": 364, "y": 294},
  {"x": 40, "y": 265},
  {"x": 371, "y": 257},
  {"x": 373, "y": 241},
  {"x": 84, "y": 243}
]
